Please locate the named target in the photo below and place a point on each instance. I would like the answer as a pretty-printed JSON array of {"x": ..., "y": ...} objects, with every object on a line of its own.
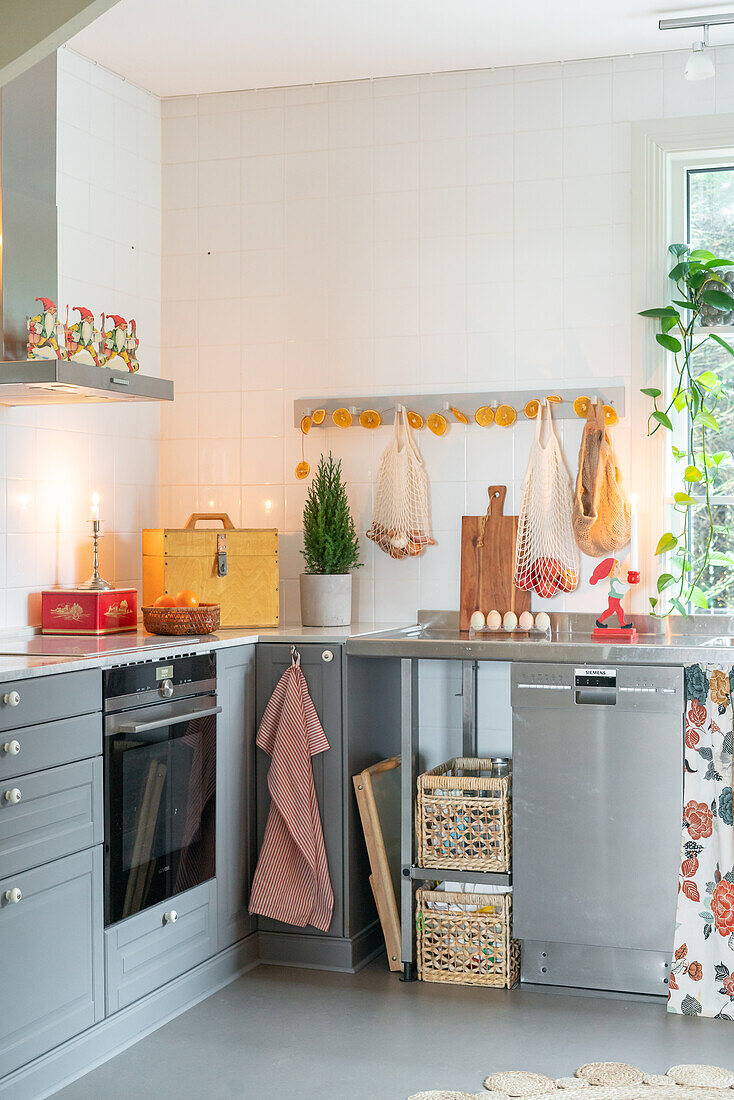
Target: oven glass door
[{"x": 160, "y": 780}]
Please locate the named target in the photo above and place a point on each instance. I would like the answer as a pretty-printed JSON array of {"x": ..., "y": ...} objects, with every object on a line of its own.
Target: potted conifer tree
[{"x": 330, "y": 549}]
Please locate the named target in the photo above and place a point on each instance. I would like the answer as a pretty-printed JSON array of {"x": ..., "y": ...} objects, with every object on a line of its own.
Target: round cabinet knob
[
  {"x": 13, "y": 795},
  {"x": 171, "y": 917},
  {"x": 166, "y": 689},
  {"x": 13, "y": 896},
  {"x": 12, "y": 748},
  {"x": 11, "y": 698},
  {"x": 327, "y": 656}
]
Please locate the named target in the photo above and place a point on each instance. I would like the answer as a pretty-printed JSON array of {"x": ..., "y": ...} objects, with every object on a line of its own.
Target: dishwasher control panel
[{"x": 627, "y": 687}]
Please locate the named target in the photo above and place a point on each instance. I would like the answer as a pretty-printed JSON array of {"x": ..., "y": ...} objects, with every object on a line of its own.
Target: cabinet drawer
[
  {"x": 52, "y": 963},
  {"x": 46, "y": 698},
  {"x": 33, "y": 748},
  {"x": 59, "y": 811},
  {"x": 144, "y": 952}
]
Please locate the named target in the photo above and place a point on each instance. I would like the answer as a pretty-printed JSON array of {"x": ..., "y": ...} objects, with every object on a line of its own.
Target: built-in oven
[{"x": 160, "y": 736}]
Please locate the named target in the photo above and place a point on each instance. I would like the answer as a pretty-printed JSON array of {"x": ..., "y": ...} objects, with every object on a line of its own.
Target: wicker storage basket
[
  {"x": 463, "y": 817},
  {"x": 203, "y": 619},
  {"x": 461, "y": 948}
]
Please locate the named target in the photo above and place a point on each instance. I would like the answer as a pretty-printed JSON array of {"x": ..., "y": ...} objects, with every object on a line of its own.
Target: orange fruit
[
  {"x": 554, "y": 398},
  {"x": 164, "y": 601},
  {"x": 581, "y": 405},
  {"x": 505, "y": 416},
  {"x": 458, "y": 415},
  {"x": 531, "y": 408},
  {"x": 318, "y": 416},
  {"x": 370, "y": 419},
  {"x": 610, "y": 416},
  {"x": 437, "y": 423},
  {"x": 484, "y": 416},
  {"x": 186, "y": 598},
  {"x": 302, "y": 470},
  {"x": 342, "y": 418},
  {"x": 415, "y": 420},
  {"x": 305, "y": 424}
]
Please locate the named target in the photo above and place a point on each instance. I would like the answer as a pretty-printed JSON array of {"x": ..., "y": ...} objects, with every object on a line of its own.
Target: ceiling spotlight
[{"x": 700, "y": 65}]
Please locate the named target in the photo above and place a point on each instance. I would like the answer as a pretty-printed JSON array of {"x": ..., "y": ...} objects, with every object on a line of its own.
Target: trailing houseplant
[
  {"x": 690, "y": 416},
  {"x": 330, "y": 549}
]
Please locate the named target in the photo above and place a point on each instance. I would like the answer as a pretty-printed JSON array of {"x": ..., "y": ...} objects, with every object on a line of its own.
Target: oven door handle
[{"x": 174, "y": 720}]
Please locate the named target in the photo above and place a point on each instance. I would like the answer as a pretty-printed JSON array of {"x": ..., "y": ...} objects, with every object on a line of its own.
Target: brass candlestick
[{"x": 95, "y": 582}]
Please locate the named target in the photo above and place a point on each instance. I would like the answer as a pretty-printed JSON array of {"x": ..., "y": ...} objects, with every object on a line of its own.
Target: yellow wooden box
[{"x": 177, "y": 558}]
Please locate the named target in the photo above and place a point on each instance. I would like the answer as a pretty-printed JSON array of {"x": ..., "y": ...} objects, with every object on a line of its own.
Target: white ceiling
[{"x": 180, "y": 47}]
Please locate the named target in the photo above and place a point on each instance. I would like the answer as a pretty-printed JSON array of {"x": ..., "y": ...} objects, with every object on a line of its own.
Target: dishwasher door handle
[{"x": 596, "y": 697}]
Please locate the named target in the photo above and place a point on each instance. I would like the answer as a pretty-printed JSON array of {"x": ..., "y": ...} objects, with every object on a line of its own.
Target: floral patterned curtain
[{"x": 702, "y": 974}]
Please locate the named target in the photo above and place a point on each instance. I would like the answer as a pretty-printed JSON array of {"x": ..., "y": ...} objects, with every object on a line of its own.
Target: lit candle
[
  {"x": 95, "y": 506},
  {"x": 634, "y": 560}
]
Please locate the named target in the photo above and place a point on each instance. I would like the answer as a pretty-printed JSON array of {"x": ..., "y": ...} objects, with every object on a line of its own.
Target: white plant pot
[{"x": 326, "y": 599}]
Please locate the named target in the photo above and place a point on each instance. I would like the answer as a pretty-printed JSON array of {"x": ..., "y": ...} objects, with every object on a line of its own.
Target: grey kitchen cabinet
[
  {"x": 46, "y": 698},
  {"x": 235, "y": 791},
  {"x": 358, "y": 703},
  {"x": 31, "y": 748},
  {"x": 151, "y": 948},
  {"x": 49, "y": 814},
  {"x": 51, "y": 922}
]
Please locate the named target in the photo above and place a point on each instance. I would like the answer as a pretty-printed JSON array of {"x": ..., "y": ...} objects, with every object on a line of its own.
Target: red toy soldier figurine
[{"x": 609, "y": 568}]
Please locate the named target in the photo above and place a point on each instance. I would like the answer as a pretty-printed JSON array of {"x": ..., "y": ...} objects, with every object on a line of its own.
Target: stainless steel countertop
[{"x": 676, "y": 641}]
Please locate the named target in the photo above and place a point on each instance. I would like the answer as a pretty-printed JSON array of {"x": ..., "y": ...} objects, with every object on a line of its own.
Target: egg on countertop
[
  {"x": 542, "y": 620},
  {"x": 477, "y": 620},
  {"x": 526, "y": 621},
  {"x": 510, "y": 620},
  {"x": 494, "y": 620}
]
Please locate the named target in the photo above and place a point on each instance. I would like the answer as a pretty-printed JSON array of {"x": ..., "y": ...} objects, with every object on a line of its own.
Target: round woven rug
[{"x": 603, "y": 1081}]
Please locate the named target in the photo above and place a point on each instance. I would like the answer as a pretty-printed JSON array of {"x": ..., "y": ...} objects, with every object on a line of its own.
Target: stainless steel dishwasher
[{"x": 597, "y": 811}]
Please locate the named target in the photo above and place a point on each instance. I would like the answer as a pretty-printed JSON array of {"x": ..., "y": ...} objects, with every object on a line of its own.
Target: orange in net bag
[{"x": 401, "y": 524}]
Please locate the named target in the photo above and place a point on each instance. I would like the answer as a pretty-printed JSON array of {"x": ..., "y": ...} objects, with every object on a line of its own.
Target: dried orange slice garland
[
  {"x": 531, "y": 408},
  {"x": 305, "y": 425},
  {"x": 554, "y": 398},
  {"x": 370, "y": 418},
  {"x": 318, "y": 416},
  {"x": 484, "y": 416},
  {"x": 581, "y": 405},
  {"x": 610, "y": 416},
  {"x": 342, "y": 418},
  {"x": 459, "y": 415},
  {"x": 302, "y": 470},
  {"x": 415, "y": 420},
  {"x": 437, "y": 423},
  {"x": 505, "y": 416}
]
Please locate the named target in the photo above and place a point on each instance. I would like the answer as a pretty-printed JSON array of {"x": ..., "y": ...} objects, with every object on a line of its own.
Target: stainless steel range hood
[{"x": 29, "y": 255}]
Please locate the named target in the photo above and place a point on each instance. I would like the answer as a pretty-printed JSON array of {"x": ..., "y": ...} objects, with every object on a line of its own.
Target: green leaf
[
  {"x": 663, "y": 418},
  {"x": 651, "y": 392},
  {"x": 683, "y": 498},
  {"x": 702, "y": 255},
  {"x": 692, "y": 473},
  {"x": 707, "y": 419},
  {"x": 667, "y": 323},
  {"x": 684, "y": 303},
  {"x": 717, "y": 558},
  {"x": 698, "y": 598},
  {"x": 679, "y": 606},
  {"x": 719, "y": 263},
  {"x": 679, "y": 401},
  {"x": 679, "y": 271},
  {"x": 668, "y": 342},
  {"x": 664, "y": 580},
  {"x": 678, "y": 453},
  {"x": 661, "y": 311},
  {"x": 722, "y": 343},
  {"x": 719, "y": 300},
  {"x": 721, "y": 457},
  {"x": 678, "y": 249},
  {"x": 667, "y": 542},
  {"x": 708, "y": 380}
]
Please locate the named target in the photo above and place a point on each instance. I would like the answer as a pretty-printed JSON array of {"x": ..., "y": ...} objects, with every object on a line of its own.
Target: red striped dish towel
[{"x": 291, "y": 882}]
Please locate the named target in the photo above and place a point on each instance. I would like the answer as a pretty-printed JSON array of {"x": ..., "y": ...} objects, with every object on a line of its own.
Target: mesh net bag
[
  {"x": 401, "y": 525},
  {"x": 601, "y": 511},
  {"x": 546, "y": 555}
]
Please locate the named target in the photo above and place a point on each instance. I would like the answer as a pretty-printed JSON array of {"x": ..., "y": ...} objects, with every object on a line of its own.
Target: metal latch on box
[{"x": 221, "y": 555}]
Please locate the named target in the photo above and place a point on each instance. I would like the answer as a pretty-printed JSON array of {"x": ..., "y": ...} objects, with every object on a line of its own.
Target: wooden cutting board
[{"x": 488, "y": 562}]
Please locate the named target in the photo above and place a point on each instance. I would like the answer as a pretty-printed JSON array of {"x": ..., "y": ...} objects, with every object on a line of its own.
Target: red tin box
[{"x": 77, "y": 611}]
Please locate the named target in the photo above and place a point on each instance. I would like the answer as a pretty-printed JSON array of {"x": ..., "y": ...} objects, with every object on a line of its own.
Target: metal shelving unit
[{"x": 409, "y": 743}]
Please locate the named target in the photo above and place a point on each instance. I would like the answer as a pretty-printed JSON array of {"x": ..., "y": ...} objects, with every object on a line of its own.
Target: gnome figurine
[
  {"x": 132, "y": 344},
  {"x": 44, "y": 332},
  {"x": 82, "y": 339},
  {"x": 114, "y": 346}
]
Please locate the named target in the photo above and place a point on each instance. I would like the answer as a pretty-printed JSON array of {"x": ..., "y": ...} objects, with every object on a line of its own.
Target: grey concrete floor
[{"x": 285, "y": 1034}]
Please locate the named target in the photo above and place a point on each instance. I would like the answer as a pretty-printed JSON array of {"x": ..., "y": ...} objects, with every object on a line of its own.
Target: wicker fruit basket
[
  {"x": 464, "y": 817},
  {"x": 468, "y": 940},
  {"x": 203, "y": 619}
]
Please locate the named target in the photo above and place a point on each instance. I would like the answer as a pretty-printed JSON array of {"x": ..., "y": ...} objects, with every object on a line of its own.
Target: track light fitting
[{"x": 700, "y": 65}]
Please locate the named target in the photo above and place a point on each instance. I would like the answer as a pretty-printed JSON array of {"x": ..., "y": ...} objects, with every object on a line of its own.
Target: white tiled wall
[
  {"x": 459, "y": 231},
  {"x": 52, "y": 459}
]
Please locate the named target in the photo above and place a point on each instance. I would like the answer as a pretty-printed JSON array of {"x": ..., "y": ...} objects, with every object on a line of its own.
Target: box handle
[{"x": 196, "y": 516}]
